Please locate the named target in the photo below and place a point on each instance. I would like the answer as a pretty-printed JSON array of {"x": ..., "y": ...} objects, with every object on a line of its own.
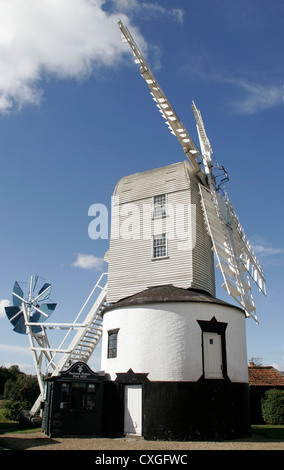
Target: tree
[
  {"x": 272, "y": 407},
  {"x": 20, "y": 394},
  {"x": 8, "y": 373}
]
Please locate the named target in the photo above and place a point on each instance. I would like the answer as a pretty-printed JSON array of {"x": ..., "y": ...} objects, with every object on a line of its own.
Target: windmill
[
  {"x": 169, "y": 346},
  {"x": 236, "y": 258},
  {"x": 28, "y": 313},
  {"x": 174, "y": 354},
  {"x": 29, "y": 309}
]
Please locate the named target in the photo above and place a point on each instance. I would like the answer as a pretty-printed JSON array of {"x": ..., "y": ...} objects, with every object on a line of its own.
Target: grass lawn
[
  {"x": 13, "y": 426},
  {"x": 270, "y": 431}
]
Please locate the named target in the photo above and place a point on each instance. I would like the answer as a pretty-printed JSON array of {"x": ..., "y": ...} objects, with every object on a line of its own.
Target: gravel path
[{"x": 39, "y": 441}]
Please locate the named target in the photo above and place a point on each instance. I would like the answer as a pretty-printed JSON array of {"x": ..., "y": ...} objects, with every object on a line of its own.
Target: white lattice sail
[{"x": 236, "y": 259}]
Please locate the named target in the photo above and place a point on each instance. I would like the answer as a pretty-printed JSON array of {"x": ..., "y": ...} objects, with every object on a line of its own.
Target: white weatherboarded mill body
[{"x": 187, "y": 260}]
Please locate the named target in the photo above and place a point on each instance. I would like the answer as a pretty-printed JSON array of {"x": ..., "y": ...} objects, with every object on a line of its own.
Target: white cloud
[
  {"x": 53, "y": 38},
  {"x": 10, "y": 348},
  {"x": 150, "y": 10},
  {"x": 267, "y": 254},
  {"x": 4, "y": 303},
  {"x": 262, "y": 248},
  {"x": 267, "y": 250},
  {"x": 85, "y": 261},
  {"x": 65, "y": 39},
  {"x": 20, "y": 352},
  {"x": 252, "y": 96},
  {"x": 256, "y": 96}
]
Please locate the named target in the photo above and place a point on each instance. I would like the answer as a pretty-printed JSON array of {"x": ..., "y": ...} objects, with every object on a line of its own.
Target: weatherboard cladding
[
  {"x": 151, "y": 183},
  {"x": 131, "y": 267}
]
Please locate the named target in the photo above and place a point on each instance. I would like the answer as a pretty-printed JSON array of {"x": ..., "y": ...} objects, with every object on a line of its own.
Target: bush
[
  {"x": 6, "y": 374},
  {"x": 20, "y": 394},
  {"x": 272, "y": 407}
]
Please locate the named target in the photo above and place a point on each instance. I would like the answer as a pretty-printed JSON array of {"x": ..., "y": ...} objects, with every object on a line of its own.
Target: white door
[
  {"x": 133, "y": 409},
  {"x": 212, "y": 350}
]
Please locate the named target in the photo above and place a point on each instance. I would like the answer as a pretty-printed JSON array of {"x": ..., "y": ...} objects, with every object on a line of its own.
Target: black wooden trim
[
  {"x": 203, "y": 410},
  {"x": 213, "y": 326},
  {"x": 130, "y": 377}
]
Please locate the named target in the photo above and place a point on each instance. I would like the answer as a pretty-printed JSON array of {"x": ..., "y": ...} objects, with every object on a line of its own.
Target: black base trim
[{"x": 207, "y": 410}]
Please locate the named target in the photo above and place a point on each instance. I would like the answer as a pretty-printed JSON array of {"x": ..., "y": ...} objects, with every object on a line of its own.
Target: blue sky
[{"x": 76, "y": 117}]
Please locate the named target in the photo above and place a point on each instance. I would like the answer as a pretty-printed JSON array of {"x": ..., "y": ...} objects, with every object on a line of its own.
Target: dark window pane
[
  {"x": 91, "y": 397},
  {"x": 160, "y": 205},
  {"x": 78, "y": 396},
  {"x": 159, "y": 245},
  {"x": 112, "y": 344}
]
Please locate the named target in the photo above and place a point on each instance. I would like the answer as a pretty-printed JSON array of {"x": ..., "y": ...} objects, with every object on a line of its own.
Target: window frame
[
  {"x": 86, "y": 399},
  {"x": 159, "y": 206},
  {"x": 165, "y": 245},
  {"x": 111, "y": 349}
]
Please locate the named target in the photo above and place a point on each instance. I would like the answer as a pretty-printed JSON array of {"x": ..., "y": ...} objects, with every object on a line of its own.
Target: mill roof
[
  {"x": 265, "y": 376},
  {"x": 153, "y": 182},
  {"x": 168, "y": 293}
]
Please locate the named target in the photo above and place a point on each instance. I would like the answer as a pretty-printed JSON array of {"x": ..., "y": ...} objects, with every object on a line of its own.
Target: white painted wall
[{"x": 164, "y": 340}]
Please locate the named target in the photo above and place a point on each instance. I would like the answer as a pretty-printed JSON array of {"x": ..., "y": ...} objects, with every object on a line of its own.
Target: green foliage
[
  {"x": 20, "y": 394},
  {"x": 6, "y": 374},
  {"x": 274, "y": 431},
  {"x": 272, "y": 407}
]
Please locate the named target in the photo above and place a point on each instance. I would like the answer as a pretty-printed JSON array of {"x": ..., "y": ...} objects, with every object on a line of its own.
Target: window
[
  {"x": 78, "y": 396},
  {"x": 159, "y": 246},
  {"x": 91, "y": 397},
  {"x": 112, "y": 343},
  {"x": 159, "y": 206},
  {"x": 65, "y": 394}
]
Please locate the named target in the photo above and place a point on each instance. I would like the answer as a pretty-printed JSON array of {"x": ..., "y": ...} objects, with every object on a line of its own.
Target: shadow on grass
[
  {"x": 15, "y": 427},
  {"x": 16, "y": 443},
  {"x": 269, "y": 431}
]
